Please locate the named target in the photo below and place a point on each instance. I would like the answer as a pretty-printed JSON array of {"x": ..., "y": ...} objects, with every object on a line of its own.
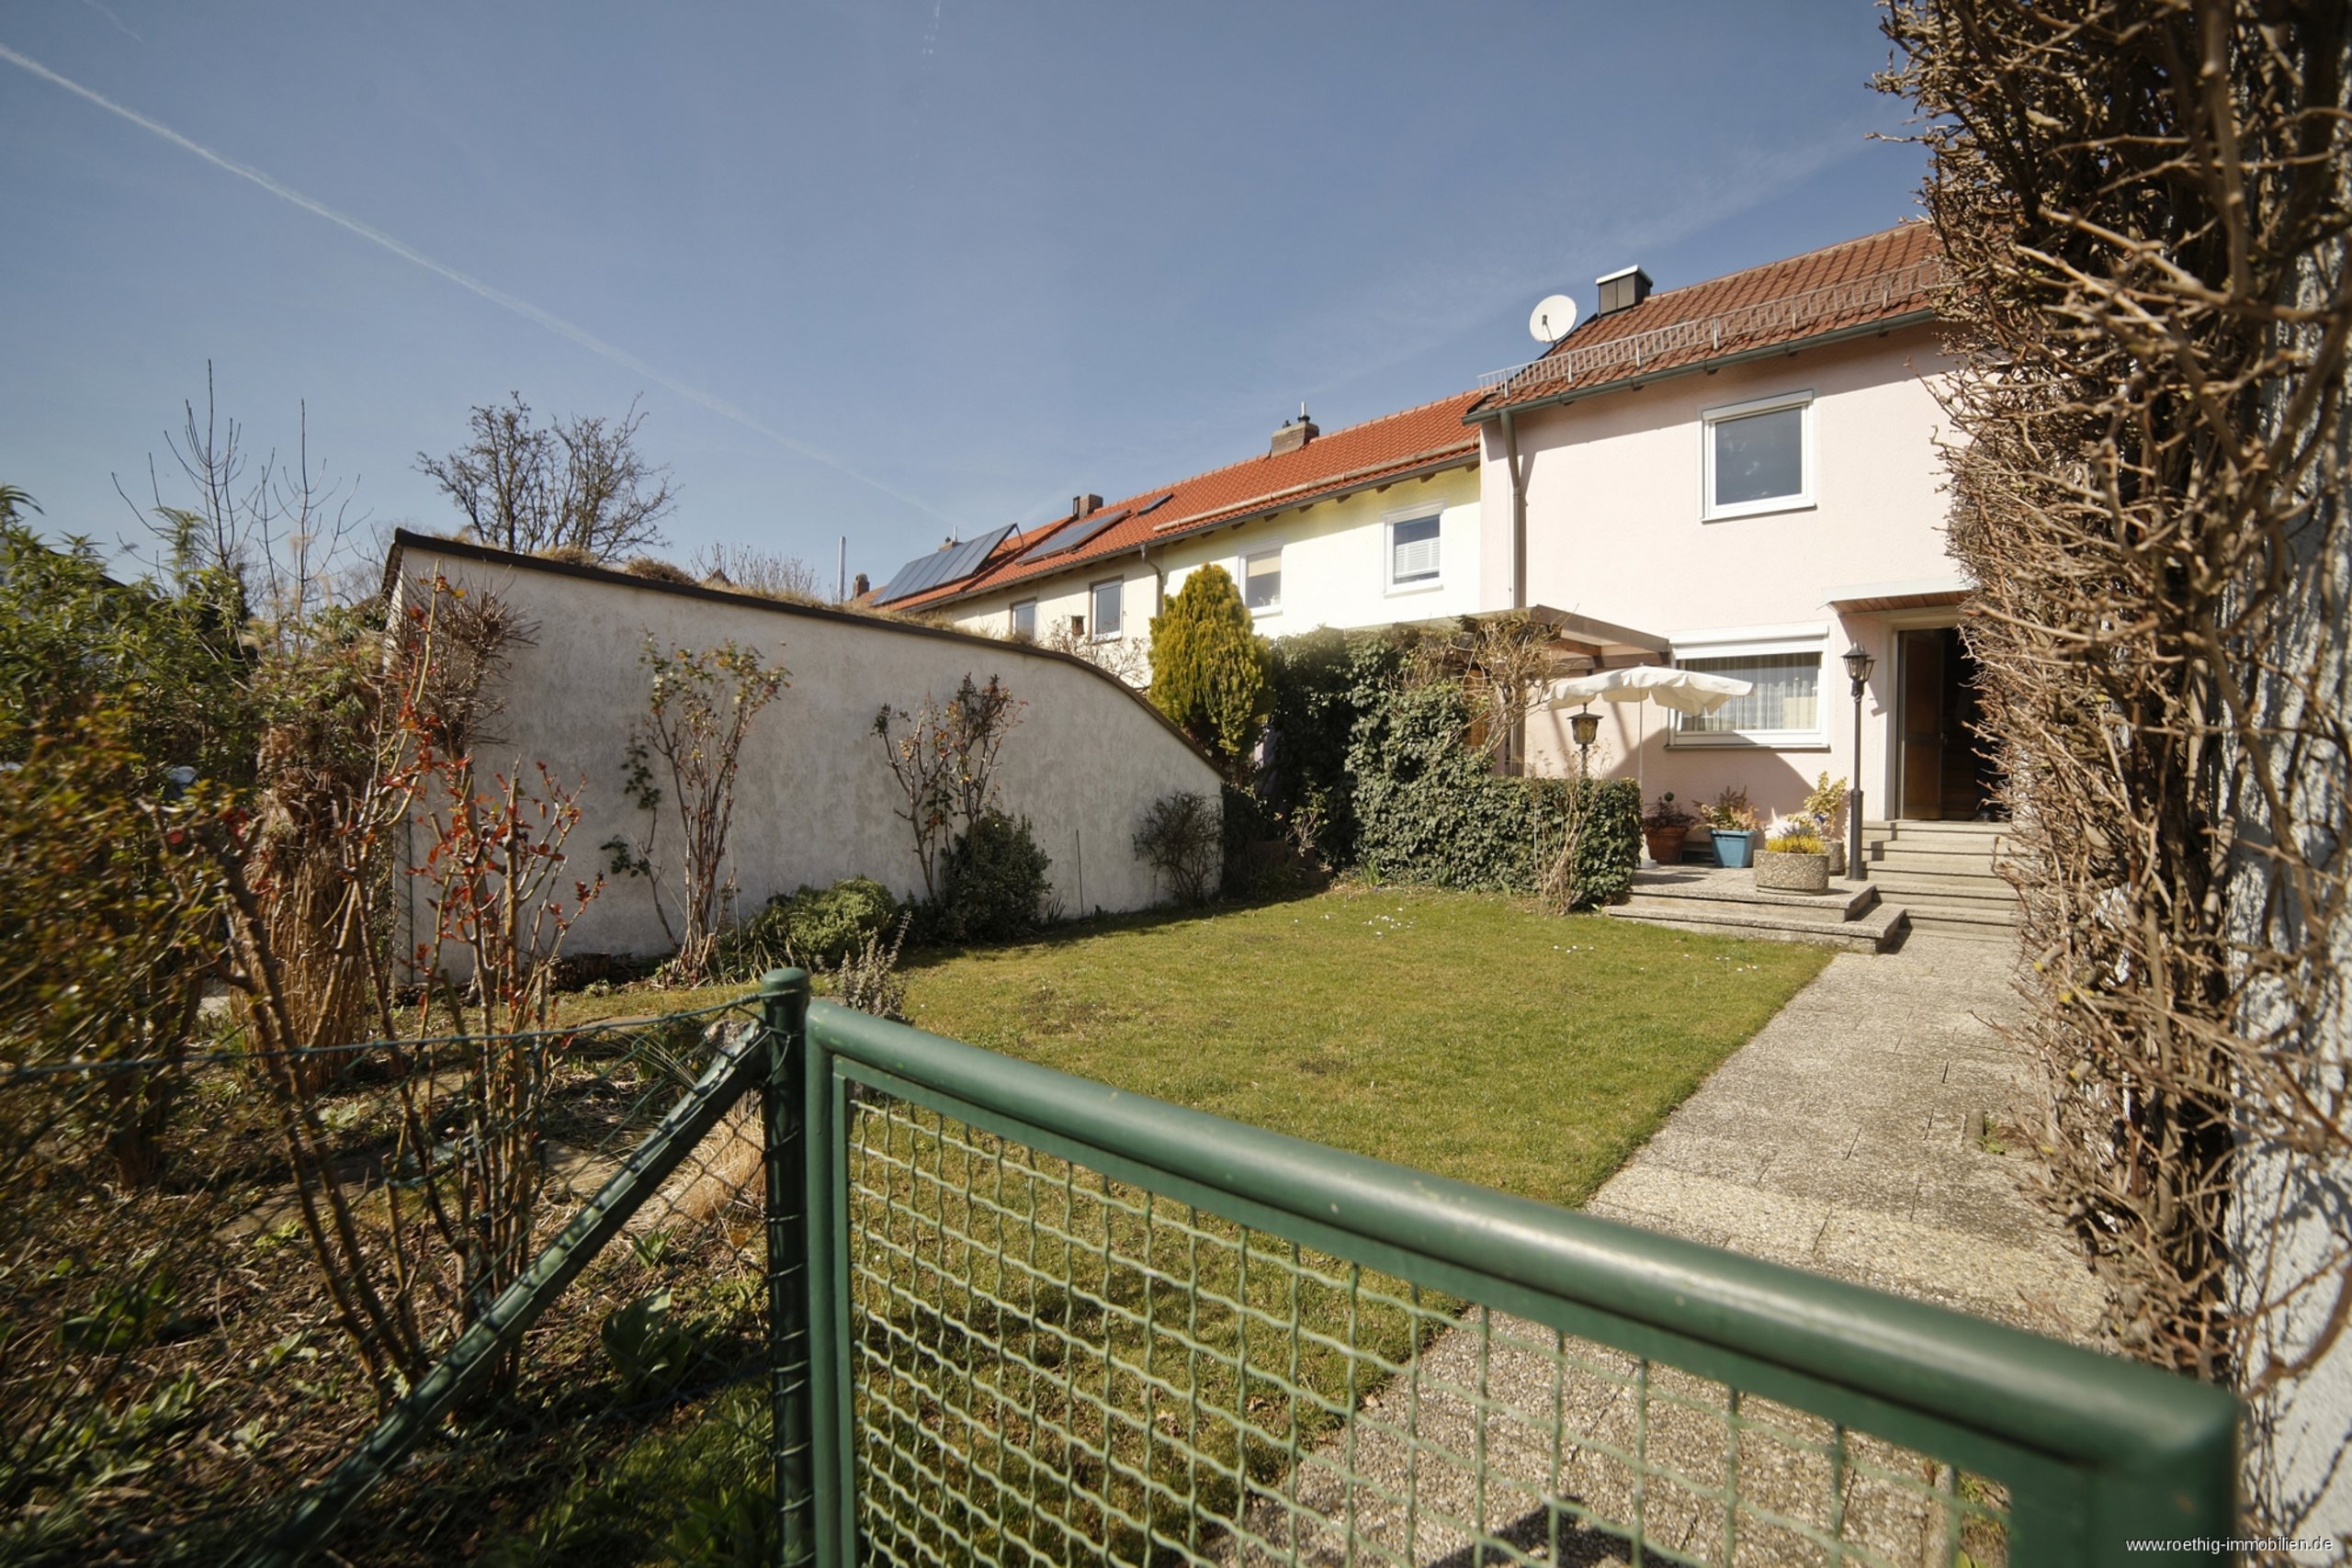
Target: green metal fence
[
  {"x": 1060, "y": 1323},
  {"x": 1018, "y": 1317}
]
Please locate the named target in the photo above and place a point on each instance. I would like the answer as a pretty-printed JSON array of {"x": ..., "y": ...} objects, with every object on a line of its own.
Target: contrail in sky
[{"x": 498, "y": 296}]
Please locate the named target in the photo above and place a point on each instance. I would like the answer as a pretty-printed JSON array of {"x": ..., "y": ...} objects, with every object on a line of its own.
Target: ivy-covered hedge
[{"x": 1375, "y": 770}]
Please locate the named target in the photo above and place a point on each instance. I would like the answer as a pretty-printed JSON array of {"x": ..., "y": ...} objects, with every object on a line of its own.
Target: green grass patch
[{"x": 1465, "y": 1034}]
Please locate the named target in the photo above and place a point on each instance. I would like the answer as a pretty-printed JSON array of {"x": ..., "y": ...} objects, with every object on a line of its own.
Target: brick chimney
[
  {"x": 1622, "y": 289},
  {"x": 1079, "y": 505},
  {"x": 1294, "y": 433}
]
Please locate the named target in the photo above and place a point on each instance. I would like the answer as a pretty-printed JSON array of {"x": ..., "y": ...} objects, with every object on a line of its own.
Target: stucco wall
[
  {"x": 1334, "y": 567},
  {"x": 815, "y": 800},
  {"x": 1616, "y": 530}
]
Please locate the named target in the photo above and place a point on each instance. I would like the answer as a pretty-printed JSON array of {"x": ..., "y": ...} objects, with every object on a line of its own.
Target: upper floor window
[
  {"x": 1413, "y": 551},
  {"x": 1262, "y": 580},
  {"x": 1024, "y": 619},
  {"x": 1106, "y": 596},
  {"x": 1759, "y": 456}
]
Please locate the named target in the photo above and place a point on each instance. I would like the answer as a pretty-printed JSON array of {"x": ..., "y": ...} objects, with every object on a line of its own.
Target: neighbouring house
[
  {"x": 1373, "y": 523},
  {"x": 815, "y": 799},
  {"x": 1746, "y": 470}
]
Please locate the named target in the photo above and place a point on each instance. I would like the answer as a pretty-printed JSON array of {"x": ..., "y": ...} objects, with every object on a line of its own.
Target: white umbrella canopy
[{"x": 1683, "y": 691}]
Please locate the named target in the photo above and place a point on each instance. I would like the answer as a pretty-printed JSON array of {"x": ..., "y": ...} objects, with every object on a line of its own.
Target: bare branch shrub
[
  {"x": 747, "y": 569},
  {"x": 700, "y": 705},
  {"x": 2144, "y": 206},
  {"x": 1182, "y": 839},
  {"x": 945, "y": 760}
]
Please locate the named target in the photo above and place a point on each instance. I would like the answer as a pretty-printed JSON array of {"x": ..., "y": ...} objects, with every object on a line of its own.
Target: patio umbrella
[{"x": 1684, "y": 691}]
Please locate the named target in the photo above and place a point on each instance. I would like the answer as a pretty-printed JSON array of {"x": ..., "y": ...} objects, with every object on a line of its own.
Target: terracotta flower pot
[
  {"x": 1666, "y": 843},
  {"x": 1780, "y": 871}
]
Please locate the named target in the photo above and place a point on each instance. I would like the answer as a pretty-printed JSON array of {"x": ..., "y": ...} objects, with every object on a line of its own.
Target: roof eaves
[
  {"x": 1488, "y": 409},
  {"x": 1455, "y": 457}
]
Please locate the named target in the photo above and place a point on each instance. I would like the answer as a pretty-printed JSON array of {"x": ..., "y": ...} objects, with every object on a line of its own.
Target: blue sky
[{"x": 883, "y": 270}]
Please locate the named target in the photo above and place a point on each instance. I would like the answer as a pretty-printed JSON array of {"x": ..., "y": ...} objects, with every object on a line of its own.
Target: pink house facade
[{"x": 1747, "y": 470}]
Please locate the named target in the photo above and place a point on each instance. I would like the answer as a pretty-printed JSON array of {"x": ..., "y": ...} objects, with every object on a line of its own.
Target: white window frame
[
  {"x": 1736, "y": 642},
  {"x": 1019, "y": 606},
  {"x": 1094, "y": 632},
  {"x": 1247, "y": 557},
  {"x": 1389, "y": 524},
  {"x": 1807, "y": 451}
]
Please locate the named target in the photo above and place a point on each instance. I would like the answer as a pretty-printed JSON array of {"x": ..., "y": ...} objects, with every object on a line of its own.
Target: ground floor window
[{"x": 1784, "y": 709}]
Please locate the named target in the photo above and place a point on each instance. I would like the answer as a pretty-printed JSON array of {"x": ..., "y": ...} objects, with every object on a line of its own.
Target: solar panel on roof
[
  {"x": 1074, "y": 536},
  {"x": 1155, "y": 505},
  {"x": 941, "y": 566}
]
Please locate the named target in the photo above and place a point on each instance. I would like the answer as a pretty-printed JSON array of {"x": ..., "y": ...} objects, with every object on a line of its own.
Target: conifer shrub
[{"x": 1209, "y": 669}]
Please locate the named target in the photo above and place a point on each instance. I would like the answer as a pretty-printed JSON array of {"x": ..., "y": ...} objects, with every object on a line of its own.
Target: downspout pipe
[
  {"x": 1517, "y": 762},
  {"x": 1518, "y": 513}
]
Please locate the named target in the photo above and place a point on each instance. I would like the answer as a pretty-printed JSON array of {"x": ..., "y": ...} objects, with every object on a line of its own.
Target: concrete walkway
[{"x": 1848, "y": 1138}]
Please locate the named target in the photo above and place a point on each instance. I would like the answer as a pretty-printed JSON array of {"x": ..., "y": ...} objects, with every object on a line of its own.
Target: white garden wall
[{"x": 815, "y": 801}]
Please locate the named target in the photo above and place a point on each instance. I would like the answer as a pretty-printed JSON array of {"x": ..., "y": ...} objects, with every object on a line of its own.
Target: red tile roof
[
  {"x": 1377, "y": 451},
  {"x": 1874, "y": 278}
]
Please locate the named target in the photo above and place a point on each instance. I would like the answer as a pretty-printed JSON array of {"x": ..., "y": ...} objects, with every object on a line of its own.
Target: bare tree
[
  {"x": 577, "y": 483},
  {"x": 285, "y": 531}
]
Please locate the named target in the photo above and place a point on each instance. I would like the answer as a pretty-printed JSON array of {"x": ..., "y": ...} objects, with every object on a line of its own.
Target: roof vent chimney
[
  {"x": 1622, "y": 289},
  {"x": 1294, "y": 433},
  {"x": 1079, "y": 505},
  {"x": 858, "y": 586}
]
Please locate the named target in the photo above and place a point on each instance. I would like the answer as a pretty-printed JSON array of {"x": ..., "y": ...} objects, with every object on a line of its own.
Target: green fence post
[{"x": 784, "y": 1011}]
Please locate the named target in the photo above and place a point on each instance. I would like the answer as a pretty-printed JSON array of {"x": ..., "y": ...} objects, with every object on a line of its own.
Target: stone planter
[
  {"x": 1837, "y": 858},
  {"x": 1777, "y": 871}
]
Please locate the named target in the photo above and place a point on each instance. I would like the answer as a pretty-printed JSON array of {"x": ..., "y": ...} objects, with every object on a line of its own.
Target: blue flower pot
[{"x": 1734, "y": 848}]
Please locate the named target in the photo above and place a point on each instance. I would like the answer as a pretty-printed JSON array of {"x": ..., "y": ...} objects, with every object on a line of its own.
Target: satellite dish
[{"x": 1554, "y": 318}]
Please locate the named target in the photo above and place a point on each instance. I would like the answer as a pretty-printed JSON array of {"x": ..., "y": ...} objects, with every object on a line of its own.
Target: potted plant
[
  {"x": 1827, "y": 805},
  {"x": 1793, "y": 860},
  {"x": 1731, "y": 823},
  {"x": 1664, "y": 828}
]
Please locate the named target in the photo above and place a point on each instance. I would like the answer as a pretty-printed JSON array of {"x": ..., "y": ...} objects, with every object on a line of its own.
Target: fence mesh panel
[
  {"x": 173, "y": 1366},
  {"x": 1053, "y": 1367}
]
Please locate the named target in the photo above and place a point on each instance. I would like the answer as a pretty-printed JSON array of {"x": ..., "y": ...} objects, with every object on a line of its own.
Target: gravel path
[{"x": 1849, "y": 1137}]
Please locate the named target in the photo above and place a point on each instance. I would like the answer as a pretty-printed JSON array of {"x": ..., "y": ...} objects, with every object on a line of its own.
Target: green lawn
[{"x": 1466, "y": 1035}]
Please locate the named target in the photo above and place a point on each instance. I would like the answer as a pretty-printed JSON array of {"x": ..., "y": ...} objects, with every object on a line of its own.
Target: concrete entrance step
[
  {"x": 1712, "y": 884},
  {"x": 1875, "y": 931},
  {"x": 1849, "y": 915},
  {"x": 1902, "y": 857},
  {"x": 1926, "y": 887},
  {"x": 1963, "y": 910}
]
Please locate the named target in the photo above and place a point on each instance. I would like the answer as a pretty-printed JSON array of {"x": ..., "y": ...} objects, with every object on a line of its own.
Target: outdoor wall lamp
[
  {"x": 1858, "y": 667},
  {"x": 1585, "y": 726}
]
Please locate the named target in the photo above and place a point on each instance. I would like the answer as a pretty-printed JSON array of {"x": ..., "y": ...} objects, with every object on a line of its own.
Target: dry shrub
[{"x": 2144, "y": 209}]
